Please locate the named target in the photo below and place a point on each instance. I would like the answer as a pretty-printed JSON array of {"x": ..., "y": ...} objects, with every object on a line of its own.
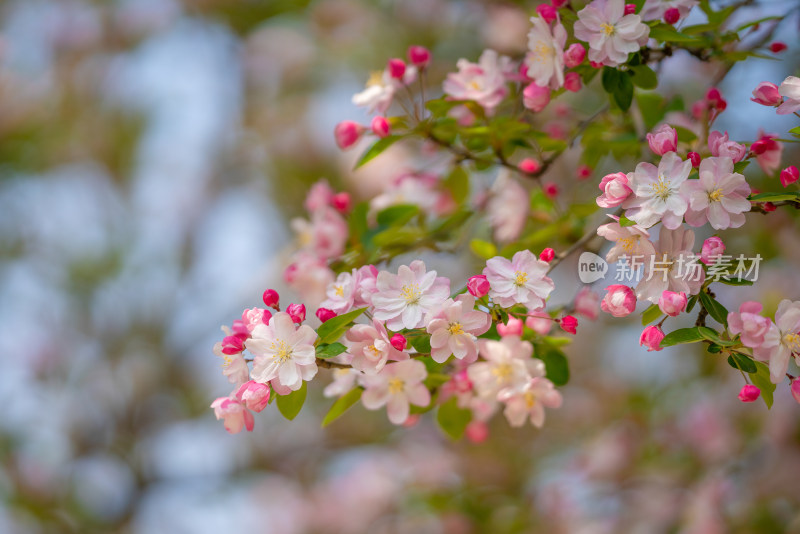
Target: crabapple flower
[
  {"x": 651, "y": 338},
  {"x": 529, "y": 166},
  {"x": 512, "y": 328},
  {"x": 523, "y": 280},
  {"x": 371, "y": 347},
  {"x": 749, "y": 324},
  {"x": 529, "y": 401},
  {"x": 657, "y": 192},
  {"x": 713, "y": 248},
  {"x": 271, "y": 298},
  {"x": 535, "y": 97},
  {"x": 611, "y": 34},
  {"x": 719, "y": 196},
  {"x": 569, "y": 324},
  {"x": 628, "y": 240},
  {"x": 587, "y": 303},
  {"x": 749, "y": 393},
  {"x": 545, "y": 57},
  {"x": 341, "y": 293},
  {"x": 319, "y": 196},
  {"x": 397, "y": 386},
  {"x": 396, "y": 68},
  {"x": 454, "y": 327},
  {"x": 399, "y": 342},
  {"x": 234, "y": 366},
  {"x": 672, "y": 303},
  {"x": 540, "y": 322},
  {"x": 419, "y": 56},
  {"x": 574, "y": 55},
  {"x": 341, "y": 202},
  {"x": 572, "y": 82},
  {"x": 365, "y": 285},
  {"x": 508, "y": 364},
  {"x": 789, "y": 175},
  {"x": 297, "y": 312},
  {"x": 324, "y": 314},
  {"x": 768, "y": 152},
  {"x": 694, "y": 157},
  {"x": 782, "y": 340},
  {"x": 234, "y": 414},
  {"x": 615, "y": 188},
  {"x": 547, "y": 255},
  {"x": 255, "y": 316},
  {"x": 766, "y": 94},
  {"x": 325, "y": 235},
  {"x": 343, "y": 381},
  {"x": 254, "y": 395},
  {"x": 482, "y": 82},
  {"x": 478, "y": 286},
  {"x": 721, "y": 146},
  {"x": 404, "y": 298},
  {"x": 380, "y": 126},
  {"x": 381, "y": 87},
  {"x": 657, "y": 9},
  {"x": 619, "y": 300},
  {"x": 507, "y": 207},
  {"x": 283, "y": 351},
  {"x": 309, "y": 275},
  {"x": 663, "y": 139},
  {"x": 347, "y": 134},
  {"x": 673, "y": 267},
  {"x": 790, "y": 90},
  {"x": 547, "y": 12}
]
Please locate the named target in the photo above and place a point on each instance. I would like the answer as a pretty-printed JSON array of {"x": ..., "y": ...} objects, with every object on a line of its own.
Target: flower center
[
  {"x": 662, "y": 189},
  {"x": 396, "y": 386},
  {"x": 792, "y": 342},
  {"x": 375, "y": 78},
  {"x": 374, "y": 350},
  {"x": 530, "y": 400},
  {"x": 541, "y": 52},
  {"x": 411, "y": 293},
  {"x": 628, "y": 244},
  {"x": 520, "y": 278},
  {"x": 339, "y": 290},
  {"x": 715, "y": 195},
  {"x": 283, "y": 352},
  {"x": 503, "y": 372},
  {"x": 474, "y": 85},
  {"x": 608, "y": 29},
  {"x": 455, "y": 329}
]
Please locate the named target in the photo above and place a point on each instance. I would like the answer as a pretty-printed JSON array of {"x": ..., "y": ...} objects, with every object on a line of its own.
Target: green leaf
[
  {"x": 434, "y": 380},
  {"x": 332, "y": 329},
  {"x": 652, "y": 107},
  {"x": 457, "y": 182},
  {"x": 735, "y": 282},
  {"x": 483, "y": 249},
  {"x": 761, "y": 380},
  {"x": 341, "y": 405},
  {"x": 619, "y": 85},
  {"x": 691, "y": 303},
  {"x": 666, "y": 33},
  {"x": 644, "y": 77},
  {"x": 557, "y": 341},
  {"x": 651, "y": 314},
  {"x": 712, "y": 335},
  {"x": 681, "y": 336},
  {"x": 795, "y": 131},
  {"x": 452, "y": 419},
  {"x": 685, "y": 135},
  {"x": 329, "y": 351},
  {"x": 699, "y": 28},
  {"x": 714, "y": 308},
  {"x": 740, "y": 166},
  {"x": 742, "y": 362},
  {"x": 376, "y": 149},
  {"x": 774, "y": 197},
  {"x": 397, "y": 215},
  {"x": 556, "y": 366},
  {"x": 291, "y": 404},
  {"x": 399, "y": 236},
  {"x": 624, "y": 221},
  {"x": 422, "y": 344}
]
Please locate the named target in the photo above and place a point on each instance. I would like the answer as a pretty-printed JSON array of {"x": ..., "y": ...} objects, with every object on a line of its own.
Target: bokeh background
[{"x": 152, "y": 153}]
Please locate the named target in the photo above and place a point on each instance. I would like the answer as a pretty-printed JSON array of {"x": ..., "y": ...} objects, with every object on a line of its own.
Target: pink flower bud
[
  {"x": 615, "y": 190},
  {"x": 584, "y": 172},
  {"x": 539, "y": 322},
  {"x": 777, "y": 46},
  {"x": 672, "y": 15},
  {"x": 478, "y": 286},
  {"x": 512, "y": 328},
  {"x": 672, "y": 303},
  {"x": 347, "y": 134},
  {"x": 630, "y": 9},
  {"x": 596, "y": 64},
  {"x": 572, "y": 82},
  {"x": 713, "y": 247},
  {"x": 558, "y": 3},
  {"x": 399, "y": 342},
  {"x": 396, "y": 68},
  {"x": 694, "y": 157},
  {"x": 749, "y": 393},
  {"x": 569, "y": 324},
  {"x": 547, "y": 255},
  {"x": 769, "y": 207},
  {"x": 551, "y": 190},
  {"x": 254, "y": 395},
  {"x": 271, "y": 298},
  {"x": 547, "y": 12},
  {"x": 477, "y": 431},
  {"x": 766, "y": 94},
  {"x": 419, "y": 56},
  {"x": 574, "y": 55},
  {"x": 619, "y": 301},
  {"x": 715, "y": 100},
  {"x": 529, "y": 166},
  {"x": 795, "y": 389},
  {"x": 232, "y": 345},
  {"x": 297, "y": 312},
  {"x": 341, "y": 202},
  {"x": 651, "y": 338},
  {"x": 587, "y": 303},
  {"x": 663, "y": 139},
  {"x": 535, "y": 97},
  {"x": 241, "y": 328},
  {"x": 380, "y": 126},
  {"x": 721, "y": 146},
  {"x": 789, "y": 175},
  {"x": 324, "y": 314},
  {"x": 266, "y": 316}
]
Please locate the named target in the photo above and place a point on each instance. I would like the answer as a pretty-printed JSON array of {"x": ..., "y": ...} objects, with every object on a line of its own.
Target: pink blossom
[
  {"x": 795, "y": 389},
  {"x": 454, "y": 329},
  {"x": 403, "y": 299},
  {"x": 766, "y": 94},
  {"x": 789, "y": 175},
  {"x": 324, "y": 314},
  {"x": 628, "y": 240},
  {"x": 325, "y": 235},
  {"x": 477, "y": 431},
  {"x": 630, "y": 9},
  {"x": 512, "y": 328},
  {"x": 540, "y": 322},
  {"x": 574, "y": 55},
  {"x": 380, "y": 90},
  {"x": 232, "y": 345},
  {"x": 619, "y": 300},
  {"x": 694, "y": 157},
  {"x": 663, "y": 139},
  {"x": 651, "y": 338},
  {"x": 482, "y": 82},
  {"x": 297, "y": 312},
  {"x": 396, "y": 386},
  {"x": 507, "y": 207},
  {"x": 587, "y": 303},
  {"x": 790, "y": 90},
  {"x": 380, "y": 126},
  {"x": 343, "y": 381},
  {"x": 271, "y": 298},
  {"x": 569, "y": 324},
  {"x": 749, "y": 393},
  {"x": 749, "y": 324},
  {"x": 615, "y": 188},
  {"x": 768, "y": 152},
  {"x": 550, "y": 189},
  {"x": 523, "y": 280},
  {"x": 529, "y": 401},
  {"x": 529, "y": 166},
  {"x": 545, "y": 57},
  {"x": 584, "y": 172},
  {"x": 478, "y": 286},
  {"x": 341, "y": 293},
  {"x": 547, "y": 255},
  {"x": 347, "y": 134},
  {"x": 572, "y": 82},
  {"x": 419, "y": 56},
  {"x": 396, "y": 68},
  {"x": 672, "y": 303},
  {"x": 547, "y": 12},
  {"x": 782, "y": 340},
  {"x": 673, "y": 267},
  {"x": 235, "y": 415},
  {"x": 309, "y": 275},
  {"x": 319, "y": 196},
  {"x": 365, "y": 285},
  {"x": 657, "y": 192},
  {"x": 371, "y": 347},
  {"x": 721, "y": 146},
  {"x": 254, "y": 395},
  {"x": 255, "y": 316},
  {"x": 234, "y": 366},
  {"x": 713, "y": 247},
  {"x": 719, "y": 196},
  {"x": 611, "y": 34},
  {"x": 657, "y": 9},
  {"x": 399, "y": 342},
  {"x": 535, "y": 97},
  {"x": 283, "y": 351},
  {"x": 715, "y": 101},
  {"x": 508, "y": 363}
]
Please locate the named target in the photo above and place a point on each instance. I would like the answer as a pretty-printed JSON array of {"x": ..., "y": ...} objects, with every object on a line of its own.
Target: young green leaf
[
  {"x": 291, "y": 404},
  {"x": 761, "y": 380},
  {"x": 397, "y": 215},
  {"x": 681, "y": 336},
  {"x": 452, "y": 419},
  {"x": 714, "y": 308},
  {"x": 376, "y": 149},
  {"x": 332, "y": 329},
  {"x": 651, "y": 314},
  {"x": 329, "y": 351},
  {"x": 341, "y": 405},
  {"x": 742, "y": 362},
  {"x": 556, "y": 365}
]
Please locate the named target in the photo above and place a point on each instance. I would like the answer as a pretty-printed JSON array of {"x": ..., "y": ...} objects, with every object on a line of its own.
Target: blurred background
[{"x": 152, "y": 153}]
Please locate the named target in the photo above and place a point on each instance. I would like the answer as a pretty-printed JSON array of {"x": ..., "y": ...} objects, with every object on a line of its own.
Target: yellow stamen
[
  {"x": 608, "y": 29},
  {"x": 396, "y": 386},
  {"x": 628, "y": 244},
  {"x": 715, "y": 195},
  {"x": 474, "y": 85},
  {"x": 339, "y": 290},
  {"x": 375, "y": 78},
  {"x": 530, "y": 400},
  {"x": 503, "y": 372},
  {"x": 283, "y": 352},
  {"x": 455, "y": 329},
  {"x": 662, "y": 189},
  {"x": 792, "y": 342},
  {"x": 411, "y": 293},
  {"x": 541, "y": 52},
  {"x": 520, "y": 278}
]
